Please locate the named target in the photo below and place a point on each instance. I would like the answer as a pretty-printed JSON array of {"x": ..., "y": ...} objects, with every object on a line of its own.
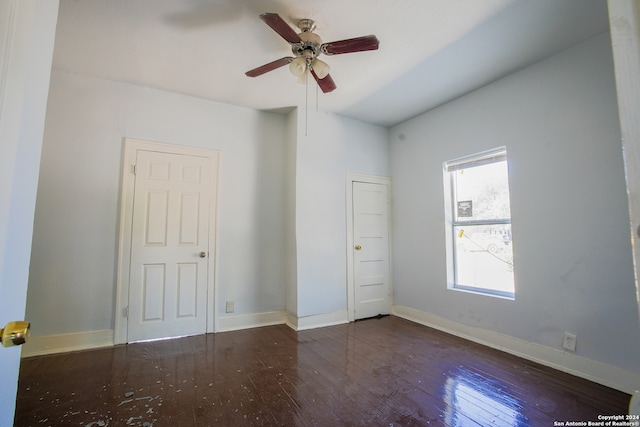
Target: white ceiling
[{"x": 431, "y": 51}]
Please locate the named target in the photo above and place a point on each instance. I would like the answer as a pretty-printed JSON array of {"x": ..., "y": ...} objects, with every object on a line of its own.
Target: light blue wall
[
  {"x": 291, "y": 258},
  {"x": 281, "y": 211},
  {"x": 73, "y": 269},
  {"x": 572, "y": 255},
  {"x": 332, "y": 146}
]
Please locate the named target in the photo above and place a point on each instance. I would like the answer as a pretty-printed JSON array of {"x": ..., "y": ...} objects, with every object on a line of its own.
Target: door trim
[
  {"x": 372, "y": 179},
  {"x": 131, "y": 147}
]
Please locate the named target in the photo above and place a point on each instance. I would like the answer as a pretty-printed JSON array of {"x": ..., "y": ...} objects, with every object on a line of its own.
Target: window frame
[{"x": 452, "y": 220}]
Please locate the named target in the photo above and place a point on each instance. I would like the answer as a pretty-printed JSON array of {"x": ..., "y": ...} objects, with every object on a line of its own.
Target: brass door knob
[
  {"x": 15, "y": 333},
  {"x": 203, "y": 254},
  {"x": 358, "y": 247}
]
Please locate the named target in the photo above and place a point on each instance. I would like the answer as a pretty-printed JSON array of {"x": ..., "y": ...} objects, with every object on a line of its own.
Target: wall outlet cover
[
  {"x": 569, "y": 342},
  {"x": 230, "y": 307}
]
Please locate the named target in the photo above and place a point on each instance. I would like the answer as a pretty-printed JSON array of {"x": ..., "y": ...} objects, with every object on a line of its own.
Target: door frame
[
  {"x": 131, "y": 147},
  {"x": 372, "y": 179}
]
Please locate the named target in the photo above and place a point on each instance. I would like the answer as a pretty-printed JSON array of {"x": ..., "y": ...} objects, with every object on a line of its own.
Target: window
[{"x": 479, "y": 244}]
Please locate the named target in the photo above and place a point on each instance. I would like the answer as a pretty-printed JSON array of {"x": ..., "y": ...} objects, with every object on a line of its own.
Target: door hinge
[
  {"x": 125, "y": 312},
  {"x": 133, "y": 169}
]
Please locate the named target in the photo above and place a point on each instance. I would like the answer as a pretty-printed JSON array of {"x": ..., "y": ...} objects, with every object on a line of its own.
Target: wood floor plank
[{"x": 378, "y": 372}]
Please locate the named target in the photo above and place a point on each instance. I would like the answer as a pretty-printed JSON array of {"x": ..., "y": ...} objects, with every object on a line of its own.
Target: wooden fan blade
[
  {"x": 269, "y": 67},
  {"x": 327, "y": 84},
  {"x": 281, "y": 27},
  {"x": 358, "y": 44}
]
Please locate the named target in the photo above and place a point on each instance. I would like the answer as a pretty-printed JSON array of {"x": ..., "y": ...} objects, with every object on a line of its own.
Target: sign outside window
[{"x": 465, "y": 208}]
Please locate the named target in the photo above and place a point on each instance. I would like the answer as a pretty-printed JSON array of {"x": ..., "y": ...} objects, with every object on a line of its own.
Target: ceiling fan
[{"x": 306, "y": 47}]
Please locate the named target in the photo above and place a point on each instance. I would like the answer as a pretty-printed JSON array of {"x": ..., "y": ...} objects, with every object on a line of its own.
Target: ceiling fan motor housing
[{"x": 310, "y": 45}]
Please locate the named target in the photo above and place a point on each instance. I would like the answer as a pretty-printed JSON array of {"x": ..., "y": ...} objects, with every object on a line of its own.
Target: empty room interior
[{"x": 455, "y": 173}]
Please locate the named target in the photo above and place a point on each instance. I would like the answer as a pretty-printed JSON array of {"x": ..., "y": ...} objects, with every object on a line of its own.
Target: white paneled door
[
  {"x": 169, "y": 246},
  {"x": 371, "y": 265}
]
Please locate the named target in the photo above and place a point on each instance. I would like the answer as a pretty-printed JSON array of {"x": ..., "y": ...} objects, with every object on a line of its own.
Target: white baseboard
[
  {"x": 246, "y": 321},
  {"x": 50, "y": 344},
  {"x": 61, "y": 343},
  {"x": 598, "y": 372},
  {"x": 317, "y": 320}
]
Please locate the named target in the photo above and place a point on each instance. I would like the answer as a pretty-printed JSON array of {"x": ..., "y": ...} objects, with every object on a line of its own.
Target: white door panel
[
  {"x": 371, "y": 249},
  {"x": 170, "y": 229}
]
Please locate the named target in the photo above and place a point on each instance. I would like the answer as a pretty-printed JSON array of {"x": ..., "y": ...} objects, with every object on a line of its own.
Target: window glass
[
  {"x": 481, "y": 247},
  {"x": 486, "y": 188}
]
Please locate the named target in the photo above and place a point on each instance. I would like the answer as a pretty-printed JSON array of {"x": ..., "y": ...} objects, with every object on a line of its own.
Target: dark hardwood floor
[{"x": 376, "y": 372}]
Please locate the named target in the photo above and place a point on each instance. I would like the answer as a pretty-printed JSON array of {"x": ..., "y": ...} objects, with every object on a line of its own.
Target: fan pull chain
[{"x": 306, "y": 103}]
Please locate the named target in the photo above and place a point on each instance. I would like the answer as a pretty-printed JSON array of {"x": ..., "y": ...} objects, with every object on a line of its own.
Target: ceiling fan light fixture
[
  {"x": 321, "y": 68},
  {"x": 302, "y": 79},
  {"x": 298, "y": 66}
]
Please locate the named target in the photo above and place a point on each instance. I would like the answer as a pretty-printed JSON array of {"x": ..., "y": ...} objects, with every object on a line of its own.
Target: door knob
[
  {"x": 203, "y": 254},
  {"x": 15, "y": 333},
  {"x": 358, "y": 247}
]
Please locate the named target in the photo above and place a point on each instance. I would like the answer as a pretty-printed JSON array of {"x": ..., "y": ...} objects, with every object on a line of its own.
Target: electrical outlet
[
  {"x": 230, "y": 307},
  {"x": 569, "y": 342}
]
